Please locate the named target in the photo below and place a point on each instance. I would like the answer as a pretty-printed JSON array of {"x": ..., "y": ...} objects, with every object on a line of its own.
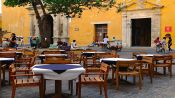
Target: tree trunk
[{"x": 38, "y": 17}]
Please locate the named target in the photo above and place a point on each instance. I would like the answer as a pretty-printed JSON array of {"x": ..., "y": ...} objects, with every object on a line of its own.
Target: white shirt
[
  {"x": 73, "y": 45},
  {"x": 105, "y": 40}
]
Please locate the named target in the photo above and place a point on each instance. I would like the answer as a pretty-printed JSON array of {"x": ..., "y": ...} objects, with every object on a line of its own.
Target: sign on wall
[{"x": 168, "y": 29}]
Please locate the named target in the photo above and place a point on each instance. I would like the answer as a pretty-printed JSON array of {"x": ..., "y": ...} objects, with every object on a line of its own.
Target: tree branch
[{"x": 42, "y": 7}]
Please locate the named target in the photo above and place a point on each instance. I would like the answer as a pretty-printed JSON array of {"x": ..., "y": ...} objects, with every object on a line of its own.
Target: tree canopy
[{"x": 67, "y": 7}]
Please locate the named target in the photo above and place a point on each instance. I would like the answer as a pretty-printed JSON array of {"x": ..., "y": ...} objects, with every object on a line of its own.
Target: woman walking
[{"x": 169, "y": 43}]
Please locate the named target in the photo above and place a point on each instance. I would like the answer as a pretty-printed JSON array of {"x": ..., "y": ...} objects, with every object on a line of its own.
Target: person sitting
[
  {"x": 13, "y": 41},
  {"x": 5, "y": 43},
  {"x": 59, "y": 43},
  {"x": 74, "y": 45}
]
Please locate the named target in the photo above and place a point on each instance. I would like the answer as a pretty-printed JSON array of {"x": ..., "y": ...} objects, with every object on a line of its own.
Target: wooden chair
[
  {"x": 146, "y": 64},
  {"x": 76, "y": 55},
  {"x": 147, "y": 67},
  {"x": 164, "y": 62},
  {"x": 28, "y": 81},
  {"x": 23, "y": 65},
  {"x": 173, "y": 58},
  {"x": 99, "y": 79},
  {"x": 111, "y": 54},
  {"x": 29, "y": 53},
  {"x": 128, "y": 68},
  {"x": 6, "y": 55}
]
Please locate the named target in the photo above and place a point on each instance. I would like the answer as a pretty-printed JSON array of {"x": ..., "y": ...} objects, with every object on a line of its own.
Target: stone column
[{"x": 31, "y": 24}]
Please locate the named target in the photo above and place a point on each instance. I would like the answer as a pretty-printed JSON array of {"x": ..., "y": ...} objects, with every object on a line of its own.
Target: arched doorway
[{"x": 47, "y": 35}]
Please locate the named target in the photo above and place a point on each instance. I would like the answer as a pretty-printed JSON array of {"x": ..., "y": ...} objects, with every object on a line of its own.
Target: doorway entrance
[
  {"x": 100, "y": 32},
  {"x": 141, "y": 32},
  {"x": 47, "y": 36}
]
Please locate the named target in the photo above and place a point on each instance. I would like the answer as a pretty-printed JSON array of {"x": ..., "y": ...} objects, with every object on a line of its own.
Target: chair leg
[
  {"x": 150, "y": 73},
  {"x": 170, "y": 71},
  {"x": 134, "y": 79},
  {"x": 126, "y": 77},
  {"x": 164, "y": 70},
  {"x": 13, "y": 92},
  {"x": 117, "y": 81},
  {"x": 113, "y": 75},
  {"x": 140, "y": 81},
  {"x": 9, "y": 78},
  {"x": 105, "y": 90},
  {"x": 100, "y": 89},
  {"x": 3, "y": 73}
]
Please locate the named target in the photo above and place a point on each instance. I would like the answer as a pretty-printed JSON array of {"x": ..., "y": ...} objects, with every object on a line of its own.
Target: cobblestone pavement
[{"x": 162, "y": 87}]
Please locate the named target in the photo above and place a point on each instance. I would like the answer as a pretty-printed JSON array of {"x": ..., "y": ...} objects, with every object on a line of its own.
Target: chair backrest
[
  {"x": 29, "y": 53},
  {"x": 164, "y": 58},
  {"x": 8, "y": 54},
  {"x": 29, "y": 61},
  {"x": 132, "y": 65},
  {"x": 104, "y": 68},
  {"x": 173, "y": 55},
  {"x": 76, "y": 54},
  {"x": 55, "y": 60}
]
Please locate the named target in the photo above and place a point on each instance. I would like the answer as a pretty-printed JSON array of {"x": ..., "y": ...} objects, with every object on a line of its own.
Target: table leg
[{"x": 58, "y": 88}]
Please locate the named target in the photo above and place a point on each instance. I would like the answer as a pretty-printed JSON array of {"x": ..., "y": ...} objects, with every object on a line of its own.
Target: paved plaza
[{"x": 162, "y": 87}]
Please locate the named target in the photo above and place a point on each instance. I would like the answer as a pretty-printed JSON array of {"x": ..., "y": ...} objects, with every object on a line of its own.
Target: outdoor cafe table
[
  {"x": 58, "y": 72},
  {"x": 140, "y": 56},
  {"x": 2, "y": 60}
]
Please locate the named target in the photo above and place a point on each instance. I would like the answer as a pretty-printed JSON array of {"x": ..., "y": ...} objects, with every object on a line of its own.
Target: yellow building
[
  {"x": 16, "y": 20},
  {"x": 137, "y": 25}
]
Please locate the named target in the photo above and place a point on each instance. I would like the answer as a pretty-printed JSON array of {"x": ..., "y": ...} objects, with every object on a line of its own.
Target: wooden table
[{"x": 58, "y": 72}]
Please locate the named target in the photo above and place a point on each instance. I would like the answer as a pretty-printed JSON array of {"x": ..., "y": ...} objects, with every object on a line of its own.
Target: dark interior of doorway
[{"x": 141, "y": 32}]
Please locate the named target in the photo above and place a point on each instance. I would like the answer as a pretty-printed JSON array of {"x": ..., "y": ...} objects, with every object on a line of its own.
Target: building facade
[{"x": 137, "y": 24}]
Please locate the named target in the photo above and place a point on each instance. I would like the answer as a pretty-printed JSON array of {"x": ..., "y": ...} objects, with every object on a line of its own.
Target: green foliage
[
  {"x": 70, "y": 8},
  {"x": 14, "y": 3}
]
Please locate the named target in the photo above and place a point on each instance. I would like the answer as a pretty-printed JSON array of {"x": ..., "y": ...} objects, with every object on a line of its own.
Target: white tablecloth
[
  {"x": 6, "y": 59},
  {"x": 115, "y": 59},
  {"x": 58, "y": 71},
  {"x": 59, "y": 55}
]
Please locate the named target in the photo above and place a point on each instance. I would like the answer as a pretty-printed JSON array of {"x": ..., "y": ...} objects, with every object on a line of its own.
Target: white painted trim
[{"x": 104, "y": 22}]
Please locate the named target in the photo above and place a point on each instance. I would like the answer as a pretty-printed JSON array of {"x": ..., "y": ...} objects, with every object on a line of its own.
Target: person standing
[
  {"x": 13, "y": 41},
  {"x": 163, "y": 42},
  {"x": 170, "y": 43},
  {"x": 105, "y": 41}
]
